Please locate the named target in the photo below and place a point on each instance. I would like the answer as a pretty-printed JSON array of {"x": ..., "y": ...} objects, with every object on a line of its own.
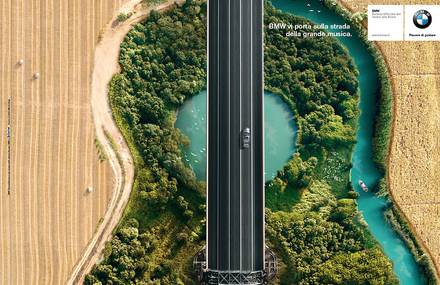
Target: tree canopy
[{"x": 312, "y": 222}]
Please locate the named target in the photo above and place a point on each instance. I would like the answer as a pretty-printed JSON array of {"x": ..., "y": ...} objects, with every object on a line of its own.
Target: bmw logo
[{"x": 422, "y": 19}]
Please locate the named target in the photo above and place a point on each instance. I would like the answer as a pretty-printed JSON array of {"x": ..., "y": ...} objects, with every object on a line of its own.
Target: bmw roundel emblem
[{"x": 422, "y": 19}]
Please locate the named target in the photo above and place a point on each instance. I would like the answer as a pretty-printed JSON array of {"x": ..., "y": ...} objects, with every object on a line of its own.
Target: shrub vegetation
[
  {"x": 312, "y": 221},
  {"x": 382, "y": 140}
]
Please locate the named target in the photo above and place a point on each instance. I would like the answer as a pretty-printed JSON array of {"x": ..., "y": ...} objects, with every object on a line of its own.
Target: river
[
  {"x": 192, "y": 122},
  {"x": 279, "y": 133},
  {"x": 371, "y": 206}
]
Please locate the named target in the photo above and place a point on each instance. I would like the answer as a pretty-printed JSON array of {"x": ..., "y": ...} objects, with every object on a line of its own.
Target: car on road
[{"x": 245, "y": 138}]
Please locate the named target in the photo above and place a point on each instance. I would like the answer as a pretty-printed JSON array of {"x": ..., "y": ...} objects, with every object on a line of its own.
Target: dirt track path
[{"x": 105, "y": 66}]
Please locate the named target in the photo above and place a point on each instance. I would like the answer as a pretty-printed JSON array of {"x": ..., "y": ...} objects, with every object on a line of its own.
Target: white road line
[
  {"x": 263, "y": 130},
  {"x": 207, "y": 137},
  {"x": 241, "y": 127},
  {"x": 252, "y": 144},
  {"x": 218, "y": 131},
  {"x": 229, "y": 131}
]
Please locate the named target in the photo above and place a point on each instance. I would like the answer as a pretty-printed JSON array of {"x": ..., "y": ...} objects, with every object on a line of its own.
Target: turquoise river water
[
  {"x": 371, "y": 206},
  {"x": 280, "y": 138},
  {"x": 279, "y": 133}
]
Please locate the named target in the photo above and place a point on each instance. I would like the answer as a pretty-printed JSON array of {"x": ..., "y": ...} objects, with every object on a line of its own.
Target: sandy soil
[
  {"x": 48, "y": 220},
  {"x": 105, "y": 66},
  {"x": 415, "y": 148}
]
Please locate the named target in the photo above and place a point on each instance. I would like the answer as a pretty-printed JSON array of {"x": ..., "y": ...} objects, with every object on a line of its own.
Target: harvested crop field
[
  {"x": 49, "y": 217},
  {"x": 415, "y": 149}
]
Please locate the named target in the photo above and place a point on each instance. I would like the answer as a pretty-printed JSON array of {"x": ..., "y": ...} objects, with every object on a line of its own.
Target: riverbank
[
  {"x": 363, "y": 166},
  {"x": 330, "y": 174},
  {"x": 169, "y": 205},
  {"x": 383, "y": 140},
  {"x": 279, "y": 129},
  {"x": 158, "y": 233}
]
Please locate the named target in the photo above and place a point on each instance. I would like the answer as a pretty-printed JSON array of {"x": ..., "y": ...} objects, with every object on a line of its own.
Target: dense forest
[{"x": 312, "y": 222}]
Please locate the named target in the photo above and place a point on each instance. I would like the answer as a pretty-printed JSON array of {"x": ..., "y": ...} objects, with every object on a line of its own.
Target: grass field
[
  {"x": 415, "y": 149},
  {"x": 48, "y": 219}
]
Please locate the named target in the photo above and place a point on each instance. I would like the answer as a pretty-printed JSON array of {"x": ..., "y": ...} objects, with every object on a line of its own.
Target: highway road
[{"x": 235, "y": 176}]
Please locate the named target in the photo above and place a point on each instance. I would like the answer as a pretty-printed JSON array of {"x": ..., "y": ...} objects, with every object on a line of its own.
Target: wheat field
[
  {"x": 48, "y": 218},
  {"x": 414, "y": 164}
]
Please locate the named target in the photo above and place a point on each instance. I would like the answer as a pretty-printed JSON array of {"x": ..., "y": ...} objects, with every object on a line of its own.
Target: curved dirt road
[{"x": 105, "y": 66}]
